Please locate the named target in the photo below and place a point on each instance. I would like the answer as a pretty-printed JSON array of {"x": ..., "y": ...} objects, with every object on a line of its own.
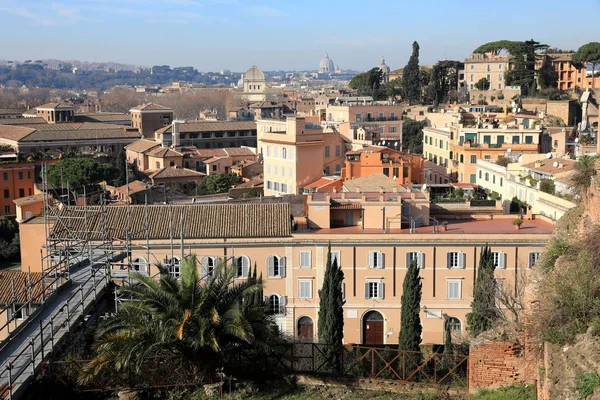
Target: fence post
[
  {"x": 313, "y": 356},
  {"x": 82, "y": 306},
  {"x": 10, "y": 382},
  {"x": 42, "y": 338},
  {"x": 52, "y": 332},
  {"x": 32, "y": 358},
  {"x": 68, "y": 317},
  {"x": 94, "y": 283},
  {"x": 372, "y": 362}
]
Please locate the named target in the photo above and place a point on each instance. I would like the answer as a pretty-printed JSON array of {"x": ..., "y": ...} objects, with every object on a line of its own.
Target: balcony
[{"x": 378, "y": 119}]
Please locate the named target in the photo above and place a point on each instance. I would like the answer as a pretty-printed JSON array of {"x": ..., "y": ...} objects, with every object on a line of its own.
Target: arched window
[
  {"x": 242, "y": 264},
  {"x": 276, "y": 304},
  {"x": 453, "y": 324},
  {"x": 209, "y": 263},
  {"x": 139, "y": 264},
  {"x": 276, "y": 266},
  {"x": 305, "y": 329},
  {"x": 174, "y": 265}
]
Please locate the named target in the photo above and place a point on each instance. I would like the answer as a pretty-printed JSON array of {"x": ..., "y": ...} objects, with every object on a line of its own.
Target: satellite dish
[
  {"x": 424, "y": 187},
  {"x": 555, "y": 164},
  {"x": 508, "y": 150},
  {"x": 548, "y": 155},
  {"x": 576, "y": 140}
]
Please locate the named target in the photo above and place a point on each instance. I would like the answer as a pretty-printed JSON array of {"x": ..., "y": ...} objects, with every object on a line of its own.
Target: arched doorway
[
  {"x": 305, "y": 329},
  {"x": 372, "y": 328}
]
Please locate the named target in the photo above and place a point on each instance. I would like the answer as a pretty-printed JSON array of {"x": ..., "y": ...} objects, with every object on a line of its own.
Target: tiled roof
[
  {"x": 164, "y": 152},
  {"x": 29, "y": 199},
  {"x": 373, "y": 183},
  {"x": 134, "y": 187},
  {"x": 212, "y": 160},
  {"x": 547, "y": 166},
  {"x": 561, "y": 56},
  {"x": 102, "y": 117},
  {"x": 15, "y": 133},
  {"x": 239, "y": 151},
  {"x": 369, "y": 149},
  {"x": 175, "y": 172},
  {"x": 18, "y": 280},
  {"x": 142, "y": 145},
  {"x": 256, "y": 181},
  {"x": 23, "y": 121},
  {"x": 347, "y": 206},
  {"x": 11, "y": 111},
  {"x": 319, "y": 183},
  {"x": 56, "y": 105},
  {"x": 69, "y": 126},
  {"x": 210, "y": 126},
  {"x": 151, "y": 107},
  {"x": 200, "y": 221},
  {"x": 80, "y": 134}
]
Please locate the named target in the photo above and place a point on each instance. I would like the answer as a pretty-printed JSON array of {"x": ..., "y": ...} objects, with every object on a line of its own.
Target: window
[
  {"x": 415, "y": 255},
  {"x": 500, "y": 77},
  {"x": 305, "y": 258},
  {"x": 276, "y": 304},
  {"x": 454, "y": 289},
  {"x": 374, "y": 290},
  {"x": 381, "y": 129},
  {"x": 284, "y": 153},
  {"x": 528, "y": 139},
  {"x": 472, "y": 66},
  {"x": 138, "y": 264},
  {"x": 6, "y": 193},
  {"x": 5, "y": 176},
  {"x": 480, "y": 174},
  {"x": 487, "y": 177},
  {"x": 174, "y": 266},
  {"x": 336, "y": 256},
  {"x": 7, "y": 210},
  {"x": 499, "y": 259},
  {"x": 381, "y": 116},
  {"x": 20, "y": 175},
  {"x": 275, "y": 266},
  {"x": 472, "y": 78},
  {"x": 453, "y": 324},
  {"x": 338, "y": 151},
  {"x": 487, "y": 157},
  {"x": 276, "y": 186},
  {"x": 276, "y": 170},
  {"x": 396, "y": 172},
  {"x": 305, "y": 289},
  {"x": 209, "y": 263},
  {"x": 268, "y": 184},
  {"x": 392, "y": 129},
  {"x": 494, "y": 179},
  {"x": 243, "y": 266},
  {"x": 473, "y": 159},
  {"x": 534, "y": 256},
  {"x": 515, "y": 140},
  {"x": 358, "y": 117},
  {"x": 375, "y": 259},
  {"x": 327, "y": 152},
  {"x": 473, "y": 178},
  {"x": 456, "y": 259},
  {"x": 386, "y": 171}
]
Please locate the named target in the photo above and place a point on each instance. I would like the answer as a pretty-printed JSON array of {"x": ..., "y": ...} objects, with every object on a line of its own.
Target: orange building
[
  {"x": 568, "y": 76},
  {"x": 16, "y": 181},
  {"x": 403, "y": 168}
]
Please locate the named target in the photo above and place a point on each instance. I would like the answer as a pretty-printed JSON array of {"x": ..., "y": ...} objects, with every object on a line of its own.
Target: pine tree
[
  {"x": 410, "y": 319},
  {"x": 484, "y": 310},
  {"x": 411, "y": 77},
  {"x": 121, "y": 168},
  {"x": 331, "y": 313}
]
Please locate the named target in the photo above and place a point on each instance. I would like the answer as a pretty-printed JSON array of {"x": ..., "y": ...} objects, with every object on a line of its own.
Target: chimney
[{"x": 538, "y": 164}]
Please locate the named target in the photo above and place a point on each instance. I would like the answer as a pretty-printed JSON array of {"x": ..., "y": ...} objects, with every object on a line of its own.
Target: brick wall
[{"x": 495, "y": 364}]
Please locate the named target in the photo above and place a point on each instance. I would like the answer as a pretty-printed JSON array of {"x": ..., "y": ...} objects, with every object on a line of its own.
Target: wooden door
[
  {"x": 305, "y": 329},
  {"x": 373, "y": 332}
]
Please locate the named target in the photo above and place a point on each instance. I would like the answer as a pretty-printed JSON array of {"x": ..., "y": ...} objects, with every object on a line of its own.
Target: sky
[{"x": 211, "y": 35}]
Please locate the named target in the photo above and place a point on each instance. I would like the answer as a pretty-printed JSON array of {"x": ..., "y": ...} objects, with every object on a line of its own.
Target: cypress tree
[
  {"x": 410, "y": 319},
  {"x": 411, "y": 77},
  {"x": 121, "y": 168},
  {"x": 331, "y": 313},
  {"x": 447, "y": 337},
  {"x": 484, "y": 310}
]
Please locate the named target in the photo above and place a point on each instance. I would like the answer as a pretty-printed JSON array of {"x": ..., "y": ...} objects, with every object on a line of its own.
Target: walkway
[{"x": 22, "y": 353}]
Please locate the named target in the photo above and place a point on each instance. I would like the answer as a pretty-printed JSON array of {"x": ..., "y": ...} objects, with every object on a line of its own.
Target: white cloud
[
  {"x": 266, "y": 11},
  {"x": 25, "y": 13},
  {"x": 71, "y": 14}
]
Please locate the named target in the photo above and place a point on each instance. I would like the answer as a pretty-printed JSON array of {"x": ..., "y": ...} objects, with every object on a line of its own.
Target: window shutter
[
  {"x": 380, "y": 293},
  {"x": 309, "y": 289},
  {"x": 449, "y": 260},
  {"x": 282, "y": 304},
  {"x": 204, "y": 265},
  {"x": 245, "y": 266},
  {"x": 271, "y": 266},
  {"x": 367, "y": 291},
  {"x": 421, "y": 260},
  {"x": 372, "y": 259},
  {"x": 343, "y": 290},
  {"x": 379, "y": 256},
  {"x": 461, "y": 260},
  {"x": 502, "y": 260},
  {"x": 408, "y": 259},
  {"x": 282, "y": 267}
]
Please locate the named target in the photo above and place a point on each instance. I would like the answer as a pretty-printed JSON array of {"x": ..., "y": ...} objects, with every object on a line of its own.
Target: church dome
[
  {"x": 326, "y": 66},
  {"x": 383, "y": 66},
  {"x": 254, "y": 74}
]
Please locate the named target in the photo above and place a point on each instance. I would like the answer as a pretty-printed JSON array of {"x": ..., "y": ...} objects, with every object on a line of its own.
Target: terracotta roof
[
  {"x": 56, "y": 105},
  {"x": 373, "y": 183},
  {"x": 102, "y": 117},
  {"x": 320, "y": 182},
  {"x": 200, "y": 221},
  {"x": 369, "y": 149},
  {"x": 547, "y": 166},
  {"x": 162, "y": 152},
  {"x": 151, "y": 107},
  {"x": 18, "y": 280},
  {"x": 212, "y": 160},
  {"x": 256, "y": 181},
  {"x": 69, "y": 126},
  {"x": 210, "y": 126},
  {"x": 561, "y": 56},
  {"x": 134, "y": 187},
  {"x": 239, "y": 151},
  {"x": 15, "y": 133},
  {"x": 23, "y": 121},
  {"x": 348, "y": 206},
  {"x": 81, "y": 134},
  {"x": 142, "y": 145},
  {"x": 11, "y": 111},
  {"x": 36, "y": 198},
  {"x": 175, "y": 172}
]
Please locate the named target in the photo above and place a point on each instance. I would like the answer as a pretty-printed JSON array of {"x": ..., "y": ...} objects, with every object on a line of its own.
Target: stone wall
[{"x": 494, "y": 364}]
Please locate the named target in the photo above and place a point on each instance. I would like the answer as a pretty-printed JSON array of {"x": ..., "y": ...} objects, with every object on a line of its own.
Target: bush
[
  {"x": 547, "y": 186},
  {"x": 515, "y": 392},
  {"x": 586, "y": 383}
]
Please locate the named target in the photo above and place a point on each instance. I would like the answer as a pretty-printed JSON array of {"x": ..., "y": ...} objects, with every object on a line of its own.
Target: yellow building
[{"x": 490, "y": 66}]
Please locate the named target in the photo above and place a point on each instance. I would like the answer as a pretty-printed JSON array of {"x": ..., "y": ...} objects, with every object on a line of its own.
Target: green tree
[
  {"x": 443, "y": 80},
  {"x": 331, "y": 312},
  {"x": 584, "y": 171},
  {"x": 369, "y": 84},
  {"x": 411, "y": 77},
  {"x": 9, "y": 239},
  {"x": 412, "y": 135},
  {"x": 484, "y": 310},
  {"x": 482, "y": 84},
  {"x": 410, "y": 319},
  {"x": 78, "y": 173},
  {"x": 547, "y": 76},
  {"x": 588, "y": 53},
  {"x": 547, "y": 186},
  {"x": 194, "y": 320},
  {"x": 121, "y": 168},
  {"x": 218, "y": 183},
  {"x": 523, "y": 72},
  {"x": 447, "y": 337}
]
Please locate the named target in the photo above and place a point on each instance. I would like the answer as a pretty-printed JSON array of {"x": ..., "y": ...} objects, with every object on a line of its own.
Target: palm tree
[
  {"x": 584, "y": 171},
  {"x": 197, "y": 320}
]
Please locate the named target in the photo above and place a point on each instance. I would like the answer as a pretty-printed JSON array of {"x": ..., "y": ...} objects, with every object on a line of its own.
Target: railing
[
  {"x": 483, "y": 203},
  {"x": 66, "y": 316}
]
